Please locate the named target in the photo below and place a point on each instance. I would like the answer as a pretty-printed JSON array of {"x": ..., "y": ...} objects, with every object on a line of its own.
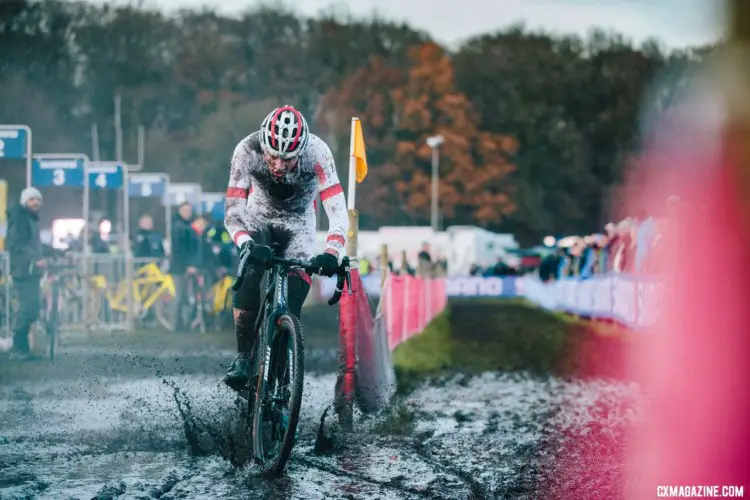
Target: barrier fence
[
  {"x": 409, "y": 304},
  {"x": 406, "y": 307},
  {"x": 455, "y": 286},
  {"x": 5, "y": 294},
  {"x": 93, "y": 293},
  {"x": 634, "y": 301}
]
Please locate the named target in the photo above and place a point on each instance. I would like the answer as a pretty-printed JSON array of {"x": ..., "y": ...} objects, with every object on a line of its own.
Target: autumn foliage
[
  {"x": 538, "y": 128},
  {"x": 401, "y": 108}
]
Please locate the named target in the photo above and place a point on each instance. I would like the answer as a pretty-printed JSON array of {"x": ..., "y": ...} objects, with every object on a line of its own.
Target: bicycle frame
[
  {"x": 276, "y": 298},
  {"x": 274, "y": 306}
]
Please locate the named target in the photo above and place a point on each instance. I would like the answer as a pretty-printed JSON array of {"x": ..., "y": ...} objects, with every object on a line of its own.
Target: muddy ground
[{"x": 145, "y": 416}]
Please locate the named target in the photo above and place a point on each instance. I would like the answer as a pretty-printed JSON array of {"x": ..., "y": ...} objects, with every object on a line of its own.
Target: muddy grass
[{"x": 501, "y": 335}]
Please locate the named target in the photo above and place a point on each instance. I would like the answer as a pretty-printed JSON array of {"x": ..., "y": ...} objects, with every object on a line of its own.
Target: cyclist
[{"x": 275, "y": 177}]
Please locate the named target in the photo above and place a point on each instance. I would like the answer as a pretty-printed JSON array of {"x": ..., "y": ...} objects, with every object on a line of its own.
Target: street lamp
[{"x": 434, "y": 142}]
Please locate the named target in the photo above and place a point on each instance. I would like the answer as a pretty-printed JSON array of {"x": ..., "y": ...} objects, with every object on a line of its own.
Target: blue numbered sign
[
  {"x": 179, "y": 193},
  {"x": 109, "y": 176},
  {"x": 13, "y": 142},
  {"x": 56, "y": 171},
  {"x": 148, "y": 185}
]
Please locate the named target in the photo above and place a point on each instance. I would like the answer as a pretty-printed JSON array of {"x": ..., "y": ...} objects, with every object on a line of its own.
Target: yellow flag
[{"x": 359, "y": 152}]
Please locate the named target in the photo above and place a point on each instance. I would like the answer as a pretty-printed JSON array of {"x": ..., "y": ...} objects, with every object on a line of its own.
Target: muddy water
[{"x": 169, "y": 430}]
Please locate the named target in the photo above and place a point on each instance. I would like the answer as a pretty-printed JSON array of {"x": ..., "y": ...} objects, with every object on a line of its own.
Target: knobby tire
[{"x": 287, "y": 326}]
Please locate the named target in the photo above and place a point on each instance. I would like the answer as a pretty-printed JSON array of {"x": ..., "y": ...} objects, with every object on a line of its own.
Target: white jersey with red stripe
[{"x": 256, "y": 200}]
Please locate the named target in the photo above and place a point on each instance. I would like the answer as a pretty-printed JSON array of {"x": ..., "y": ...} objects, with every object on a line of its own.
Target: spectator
[
  {"x": 364, "y": 266},
  {"x": 185, "y": 259},
  {"x": 562, "y": 262},
  {"x": 206, "y": 260},
  {"x": 622, "y": 246},
  {"x": 548, "y": 267},
  {"x": 645, "y": 234},
  {"x": 98, "y": 245},
  {"x": 442, "y": 265},
  {"x": 576, "y": 257},
  {"x": 606, "y": 244},
  {"x": 505, "y": 266},
  {"x": 147, "y": 242},
  {"x": 73, "y": 242},
  {"x": 222, "y": 245},
  {"x": 424, "y": 260},
  {"x": 26, "y": 267},
  {"x": 589, "y": 258},
  {"x": 424, "y": 254}
]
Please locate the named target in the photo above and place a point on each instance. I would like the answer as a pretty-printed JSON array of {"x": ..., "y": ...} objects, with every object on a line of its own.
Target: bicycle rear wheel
[
  {"x": 279, "y": 396},
  {"x": 52, "y": 322}
]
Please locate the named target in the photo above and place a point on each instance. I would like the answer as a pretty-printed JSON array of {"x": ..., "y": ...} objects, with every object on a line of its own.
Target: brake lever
[{"x": 348, "y": 279}]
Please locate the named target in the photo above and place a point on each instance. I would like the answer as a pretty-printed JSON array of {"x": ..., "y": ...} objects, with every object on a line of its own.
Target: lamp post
[{"x": 434, "y": 142}]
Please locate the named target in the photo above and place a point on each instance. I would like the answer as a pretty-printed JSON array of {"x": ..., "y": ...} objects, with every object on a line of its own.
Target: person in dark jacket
[
  {"x": 147, "y": 242},
  {"x": 206, "y": 258},
  {"x": 98, "y": 245},
  {"x": 222, "y": 245},
  {"x": 27, "y": 264},
  {"x": 186, "y": 258}
]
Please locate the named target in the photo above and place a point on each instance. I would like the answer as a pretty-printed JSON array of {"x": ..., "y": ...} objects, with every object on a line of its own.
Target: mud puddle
[{"x": 493, "y": 436}]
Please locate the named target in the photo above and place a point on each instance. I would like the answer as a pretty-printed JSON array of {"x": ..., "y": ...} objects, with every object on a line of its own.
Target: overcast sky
[{"x": 678, "y": 23}]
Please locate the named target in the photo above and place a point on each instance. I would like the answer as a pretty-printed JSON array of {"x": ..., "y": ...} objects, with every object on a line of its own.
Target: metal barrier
[
  {"x": 108, "y": 292},
  {"x": 72, "y": 298},
  {"x": 122, "y": 300},
  {"x": 6, "y": 291},
  {"x": 152, "y": 289},
  {"x": 114, "y": 292}
]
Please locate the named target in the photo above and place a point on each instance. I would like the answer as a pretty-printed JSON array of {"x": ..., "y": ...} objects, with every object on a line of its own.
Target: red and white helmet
[{"x": 284, "y": 132}]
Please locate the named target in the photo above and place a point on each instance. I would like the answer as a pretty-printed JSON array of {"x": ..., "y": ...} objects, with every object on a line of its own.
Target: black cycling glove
[
  {"x": 246, "y": 248},
  {"x": 325, "y": 264},
  {"x": 261, "y": 253}
]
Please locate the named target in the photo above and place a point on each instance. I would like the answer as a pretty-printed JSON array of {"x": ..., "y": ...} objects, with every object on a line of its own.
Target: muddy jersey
[{"x": 256, "y": 200}]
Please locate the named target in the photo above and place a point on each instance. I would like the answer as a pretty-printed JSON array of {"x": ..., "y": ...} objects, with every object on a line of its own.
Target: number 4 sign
[{"x": 106, "y": 175}]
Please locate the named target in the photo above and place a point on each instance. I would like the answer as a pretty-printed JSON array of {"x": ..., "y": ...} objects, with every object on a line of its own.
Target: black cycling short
[{"x": 248, "y": 297}]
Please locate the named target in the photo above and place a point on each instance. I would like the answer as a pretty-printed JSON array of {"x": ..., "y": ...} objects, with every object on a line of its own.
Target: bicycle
[
  {"x": 71, "y": 297},
  {"x": 281, "y": 364},
  {"x": 151, "y": 288},
  {"x": 192, "y": 312},
  {"x": 50, "y": 315},
  {"x": 218, "y": 300}
]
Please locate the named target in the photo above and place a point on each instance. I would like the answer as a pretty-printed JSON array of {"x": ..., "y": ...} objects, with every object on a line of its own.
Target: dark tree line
[{"x": 538, "y": 128}]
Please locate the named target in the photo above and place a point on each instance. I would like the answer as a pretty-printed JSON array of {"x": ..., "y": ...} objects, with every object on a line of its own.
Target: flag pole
[
  {"x": 351, "y": 237},
  {"x": 348, "y": 320},
  {"x": 352, "y": 165}
]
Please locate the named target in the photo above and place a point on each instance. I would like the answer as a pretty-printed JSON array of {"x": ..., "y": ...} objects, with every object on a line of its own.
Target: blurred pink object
[{"x": 695, "y": 371}]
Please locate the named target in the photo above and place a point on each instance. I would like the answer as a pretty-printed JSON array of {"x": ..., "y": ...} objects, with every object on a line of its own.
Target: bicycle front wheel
[{"x": 279, "y": 396}]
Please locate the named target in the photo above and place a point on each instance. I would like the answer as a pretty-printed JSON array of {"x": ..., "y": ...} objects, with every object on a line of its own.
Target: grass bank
[{"x": 473, "y": 336}]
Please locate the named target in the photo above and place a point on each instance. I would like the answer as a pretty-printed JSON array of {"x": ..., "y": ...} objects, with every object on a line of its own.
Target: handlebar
[
  {"x": 57, "y": 262},
  {"x": 343, "y": 272},
  {"x": 343, "y": 276}
]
